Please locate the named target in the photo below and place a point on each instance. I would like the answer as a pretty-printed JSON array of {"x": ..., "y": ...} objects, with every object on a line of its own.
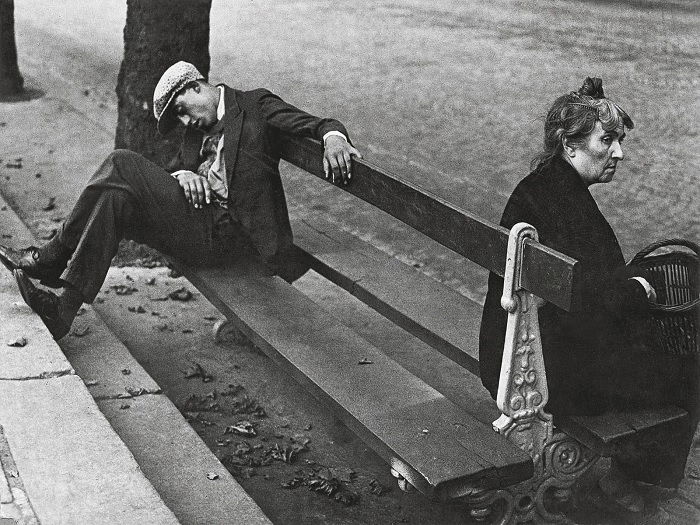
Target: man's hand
[
  {"x": 197, "y": 188},
  {"x": 337, "y": 159}
]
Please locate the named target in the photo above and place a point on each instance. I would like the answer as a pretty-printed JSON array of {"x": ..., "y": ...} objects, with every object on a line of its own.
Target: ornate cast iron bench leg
[{"x": 522, "y": 395}]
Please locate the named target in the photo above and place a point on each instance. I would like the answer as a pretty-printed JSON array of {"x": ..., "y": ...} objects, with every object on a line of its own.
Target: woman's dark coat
[{"x": 596, "y": 359}]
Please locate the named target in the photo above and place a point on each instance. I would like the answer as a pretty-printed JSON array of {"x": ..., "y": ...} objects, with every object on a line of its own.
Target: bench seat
[
  {"x": 399, "y": 292},
  {"x": 607, "y": 433},
  {"x": 438, "y": 447},
  {"x": 405, "y": 295}
]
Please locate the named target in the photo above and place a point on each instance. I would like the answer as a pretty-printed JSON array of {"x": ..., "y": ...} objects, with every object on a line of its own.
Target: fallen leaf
[
  {"x": 124, "y": 406},
  {"x": 196, "y": 370},
  {"x": 212, "y": 476},
  {"x": 377, "y": 488},
  {"x": 181, "y": 294},
  {"x": 134, "y": 392},
  {"x": 50, "y": 235},
  {"x": 18, "y": 343},
  {"x": 126, "y": 371},
  {"x": 365, "y": 361},
  {"x": 80, "y": 331},
  {"x": 242, "y": 428},
  {"x": 123, "y": 289},
  {"x": 151, "y": 281},
  {"x": 91, "y": 383},
  {"x": 137, "y": 309},
  {"x": 50, "y": 205}
]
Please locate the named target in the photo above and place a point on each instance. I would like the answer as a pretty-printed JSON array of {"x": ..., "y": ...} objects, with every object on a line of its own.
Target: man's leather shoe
[
  {"x": 43, "y": 303},
  {"x": 27, "y": 259}
]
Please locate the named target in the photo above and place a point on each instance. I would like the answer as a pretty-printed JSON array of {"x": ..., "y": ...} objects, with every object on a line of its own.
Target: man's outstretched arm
[{"x": 338, "y": 151}]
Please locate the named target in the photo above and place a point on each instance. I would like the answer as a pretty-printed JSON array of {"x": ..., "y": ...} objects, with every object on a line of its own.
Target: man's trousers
[{"x": 130, "y": 197}]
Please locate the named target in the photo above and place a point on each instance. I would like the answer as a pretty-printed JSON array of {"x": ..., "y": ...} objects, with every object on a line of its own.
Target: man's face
[
  {"x": 195, "y": 110},
  {"x": 596, "y": 159}
]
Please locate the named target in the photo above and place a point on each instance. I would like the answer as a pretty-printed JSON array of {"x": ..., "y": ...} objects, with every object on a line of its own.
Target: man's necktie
[{"x": 208, "y": 154}]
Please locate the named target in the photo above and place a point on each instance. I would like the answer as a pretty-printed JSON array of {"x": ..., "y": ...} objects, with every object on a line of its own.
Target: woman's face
[{"x": 597, "y": 158}]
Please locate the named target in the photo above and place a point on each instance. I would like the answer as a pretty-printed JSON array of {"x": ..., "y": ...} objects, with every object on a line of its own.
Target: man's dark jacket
[
  {"x": 252, "y": 125},
  {"x": 596, "y": 359}
]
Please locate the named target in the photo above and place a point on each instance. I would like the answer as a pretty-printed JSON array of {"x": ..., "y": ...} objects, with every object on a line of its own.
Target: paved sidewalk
[{"x": 62, "y": 461}]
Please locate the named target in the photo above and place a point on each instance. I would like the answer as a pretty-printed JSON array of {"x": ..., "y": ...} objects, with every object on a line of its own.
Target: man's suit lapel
[{"x": 233, "y": 124}]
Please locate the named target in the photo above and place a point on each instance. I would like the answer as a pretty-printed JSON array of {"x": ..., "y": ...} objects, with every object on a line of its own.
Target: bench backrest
[{"x": 547, "y": 273}]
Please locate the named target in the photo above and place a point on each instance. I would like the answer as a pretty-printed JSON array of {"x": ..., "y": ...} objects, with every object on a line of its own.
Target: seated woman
[{"x": 597, "y": 358}]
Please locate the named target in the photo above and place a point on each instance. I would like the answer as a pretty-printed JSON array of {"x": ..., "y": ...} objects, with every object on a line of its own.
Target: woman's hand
[
  {"x": 337, "y": 159},
  {"x": 197, "y": 189}
]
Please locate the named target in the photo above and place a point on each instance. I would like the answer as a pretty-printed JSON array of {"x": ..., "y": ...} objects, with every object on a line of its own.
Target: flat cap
[{"x": 173, "y": 80}]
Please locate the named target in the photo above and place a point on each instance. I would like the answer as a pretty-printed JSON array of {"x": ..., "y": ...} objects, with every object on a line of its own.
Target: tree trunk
[
  {"x": 11, "y": 81},
  {"x": 157, "y": 34}
]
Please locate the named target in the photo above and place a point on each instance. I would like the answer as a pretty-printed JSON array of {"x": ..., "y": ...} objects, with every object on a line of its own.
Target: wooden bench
[{"x": 443, "y": 449}]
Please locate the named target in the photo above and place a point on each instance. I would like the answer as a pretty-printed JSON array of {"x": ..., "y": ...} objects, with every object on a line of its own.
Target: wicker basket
[{"x": 674, "y": 276}]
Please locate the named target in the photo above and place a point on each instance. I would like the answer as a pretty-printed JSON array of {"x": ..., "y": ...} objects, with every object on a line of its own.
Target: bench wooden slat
[
  {"x": 449, "y": 322},
  {"x": 606, "y": 432},
  {"x": 549, "y": 274},
  {"x": 385, "y": 405},
  {"x": 434, "y": 313}
]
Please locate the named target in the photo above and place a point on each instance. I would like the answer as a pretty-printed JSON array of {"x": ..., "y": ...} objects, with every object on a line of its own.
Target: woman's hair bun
[{"x": 592, "y": 87}]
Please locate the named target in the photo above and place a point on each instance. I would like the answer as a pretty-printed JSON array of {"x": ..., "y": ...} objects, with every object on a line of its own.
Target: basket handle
[{"x": 663, "y": 242}]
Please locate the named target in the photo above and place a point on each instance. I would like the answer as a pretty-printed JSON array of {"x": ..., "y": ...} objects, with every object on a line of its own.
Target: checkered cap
[{"x": 173, "y": 80}]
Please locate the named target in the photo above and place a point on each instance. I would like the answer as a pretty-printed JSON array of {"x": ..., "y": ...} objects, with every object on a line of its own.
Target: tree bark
[
  {"x": 157, "y": 34},
  {"x": 11, "y": 81}
]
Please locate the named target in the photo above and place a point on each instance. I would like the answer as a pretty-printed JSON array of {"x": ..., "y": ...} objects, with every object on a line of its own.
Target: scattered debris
[
  {"x": 242, "y": 428},
  {"x": 137, "y": 309},
  {"x": 151, "y": 281},
  {"x": 163, "y": 327},
  {"x": 17, "y": 164},
  {"x": 181, "y": 294},
  {"x": 323, "y": 481},
  {"x": 80, "y": 331},
  {"x": 210, "y": 318},
  {"x": 212, "y": 476},
  {"x": 37, "y": 175},
  {"x": 18, "y": 342},
  {"x": 308, "y": 427},
  {"x": 426, "y": 431},
  {"x": 124, "y": 406},
  {"x": 198, "y": 403},
  {"x": 50, "y": 205},
  {"x": 123, "y": 289},
  {"x": 99, "y": 300},
  {"x": 129, "y": 278},
  {"x": 187, "y": 330},
  {"x": 249, "y": 407},
  {"x": 135, "y": 392},
  {"x": 196, "y": 370},
  {"x": 174, "y": 273},
  {"x": 126, "y": 371},
  {"x": 365, "y": 361},
  {"x": 50, "y": 235},
  {"x": 7, "y": 236},
  {"x": 91, "y": 383},
  {"x": 81, "y": 311},
  {"x": 232, "y": 390},
  {"x": 161, "y": 298},
  {"x": 377, "y": 488}
]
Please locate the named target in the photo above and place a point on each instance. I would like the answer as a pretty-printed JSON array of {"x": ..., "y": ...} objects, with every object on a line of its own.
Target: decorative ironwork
[
  {"x": 522, "y": 396},
  {"x": 538, "y": 499}
]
